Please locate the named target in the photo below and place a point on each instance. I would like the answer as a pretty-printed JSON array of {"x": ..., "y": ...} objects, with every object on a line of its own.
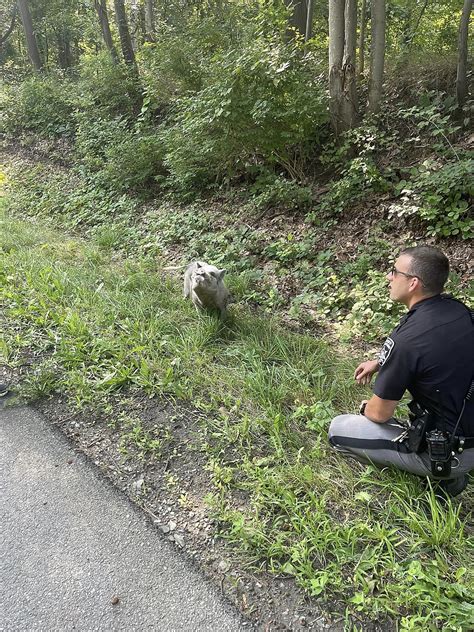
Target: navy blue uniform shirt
[{"x": 431, "y": 349}]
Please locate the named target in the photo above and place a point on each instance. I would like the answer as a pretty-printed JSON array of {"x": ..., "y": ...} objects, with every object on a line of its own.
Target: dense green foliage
[
  {"x": 259, "y": 106},
  {"x": 44, "y": 106},
  {"x": 223, "y": 96}
]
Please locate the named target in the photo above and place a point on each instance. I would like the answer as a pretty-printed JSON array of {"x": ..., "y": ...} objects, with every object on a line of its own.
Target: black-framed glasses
[{"x": 394, "y": 271}]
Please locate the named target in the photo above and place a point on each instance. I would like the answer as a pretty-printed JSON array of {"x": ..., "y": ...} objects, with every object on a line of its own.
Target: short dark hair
[{"x": 430, "y": 265}]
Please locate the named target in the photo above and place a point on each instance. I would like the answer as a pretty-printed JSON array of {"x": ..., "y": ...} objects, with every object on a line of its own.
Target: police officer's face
[{"x": 402, "y": 284}]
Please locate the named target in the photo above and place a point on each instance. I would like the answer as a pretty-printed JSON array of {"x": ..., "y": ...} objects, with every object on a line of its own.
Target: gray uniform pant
[{"x": 370, "y": 442}]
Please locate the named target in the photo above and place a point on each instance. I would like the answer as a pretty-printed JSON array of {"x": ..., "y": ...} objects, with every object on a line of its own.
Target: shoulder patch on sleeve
[{"x": 385, "y": 351}]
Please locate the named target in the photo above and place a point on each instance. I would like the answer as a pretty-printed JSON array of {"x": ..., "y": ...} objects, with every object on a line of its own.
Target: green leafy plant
[
  {"x": 107, "y": 89},
  {"x": 42, "y": 104},
  {"x": 136, "y": 163},
  {"x": 272, "y": 191},
  {"x": 441, "y": 196},
  {"x": 261, "y": 104},
  {"x": 135, "y": 437},
  {"x": 432, "y": 119},
  {"x": 359, "y": 178}
]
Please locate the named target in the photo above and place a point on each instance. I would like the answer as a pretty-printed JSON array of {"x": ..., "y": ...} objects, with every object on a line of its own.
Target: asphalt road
[{"x": 71, "y": 545}]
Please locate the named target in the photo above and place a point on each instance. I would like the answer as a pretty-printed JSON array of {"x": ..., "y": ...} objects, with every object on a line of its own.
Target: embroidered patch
[{"x": 386, "y": 351}]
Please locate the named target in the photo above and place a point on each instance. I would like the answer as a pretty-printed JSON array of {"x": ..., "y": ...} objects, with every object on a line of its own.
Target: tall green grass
[{"x": 375, "y": 542}]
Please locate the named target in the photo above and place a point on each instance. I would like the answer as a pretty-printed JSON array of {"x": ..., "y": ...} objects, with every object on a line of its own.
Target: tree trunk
[
  {"x": 377, "y": 55},
  {"x": 9, "y": 30},
  {"x": 349, "y": 88},
  {"x": 101, "y": 8},
  {"x": 124, "y": 33},
  {"x": 31, "y": 44},
  {"x": 135, "y": 23},
  {"x": 297, "y": 21},
  {"x": 309, "y": 21},
  {"x": 363, "y": 22},
  {"x": 64, "y": 50},
  {"x": 336, "y": 52},
  {"x": 149, "y": 20},
  {"x": 461, "y": 78}
]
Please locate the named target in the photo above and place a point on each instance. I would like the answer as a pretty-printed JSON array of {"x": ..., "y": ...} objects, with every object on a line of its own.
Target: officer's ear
[{"x": 417, "y": 284}]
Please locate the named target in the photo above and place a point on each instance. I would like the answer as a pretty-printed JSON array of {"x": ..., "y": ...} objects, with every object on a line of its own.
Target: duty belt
[{"x": 463, "y": 443}]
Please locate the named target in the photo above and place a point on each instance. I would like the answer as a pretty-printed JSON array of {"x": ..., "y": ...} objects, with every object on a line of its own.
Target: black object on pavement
[{"x": 3, "y": 390}]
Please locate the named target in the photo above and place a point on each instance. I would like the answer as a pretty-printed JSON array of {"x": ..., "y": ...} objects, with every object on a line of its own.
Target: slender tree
[
  {"x": 149, "y": 20},
  {"x": 377, "y": 55},
  {"x": 135, "y": 23},
  {"x": 298, "y": 17},
  {"x": 101, "y": 8},
  {"x": 461, "y": 78},
  {"x": 363, "y": 23},
  {"x": 64, "y": 48},
  {"x": 349, "y": 94},
  {"x": 342, "y": 50},
  {"x": 9, "y": 31},
  {"x": 31, "y": 43},
  {"x": 336, "y": 53},
  {"x": 309, "y": 21},
  {"x": 124, "y": 34}
]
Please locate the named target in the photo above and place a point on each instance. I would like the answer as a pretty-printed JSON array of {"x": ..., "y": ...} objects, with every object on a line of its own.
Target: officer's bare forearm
[{"x": 380, "y": 410}]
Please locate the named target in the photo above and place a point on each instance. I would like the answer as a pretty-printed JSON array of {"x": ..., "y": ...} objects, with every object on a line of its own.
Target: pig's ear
[
  {"x": 221, "y": 273},
  {"x": 198, "y": 264}
]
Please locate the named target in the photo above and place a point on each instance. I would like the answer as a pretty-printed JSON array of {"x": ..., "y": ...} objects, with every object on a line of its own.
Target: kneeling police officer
[{"x": 430, "y": 354}]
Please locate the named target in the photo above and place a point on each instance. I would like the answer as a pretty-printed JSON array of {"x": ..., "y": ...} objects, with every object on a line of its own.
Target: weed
[{"x": 143, "y": 442}]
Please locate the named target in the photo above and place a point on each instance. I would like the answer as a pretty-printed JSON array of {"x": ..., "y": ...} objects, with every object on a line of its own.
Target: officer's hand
[{"x": 363, "y": 373}]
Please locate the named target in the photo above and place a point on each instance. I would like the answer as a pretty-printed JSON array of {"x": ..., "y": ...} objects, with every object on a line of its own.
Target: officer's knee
[{"x": 339, "y": 425}]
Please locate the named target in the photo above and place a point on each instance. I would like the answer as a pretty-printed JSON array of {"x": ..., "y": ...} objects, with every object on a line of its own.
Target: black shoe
[
  {"x": 454, "y": 486},
  {"x": 3, "y": 390}
]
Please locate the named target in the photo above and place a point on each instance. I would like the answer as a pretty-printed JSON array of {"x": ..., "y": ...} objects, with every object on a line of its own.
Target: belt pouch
[{"x": 419, "y": 425}]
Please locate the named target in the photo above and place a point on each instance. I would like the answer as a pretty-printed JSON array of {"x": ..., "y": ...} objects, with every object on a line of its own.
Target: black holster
[
  {"x": 424, "y": 436},
  {"x": 421, "y": 421}
]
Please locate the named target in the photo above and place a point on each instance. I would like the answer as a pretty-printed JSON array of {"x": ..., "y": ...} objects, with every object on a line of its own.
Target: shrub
[
  {"x": 136, "y": 163},
  {"x": 95, "y": 137},
  {"x": 122, "y": 158},
  {"x": 171, "y": 68},
  {"x": 260, "y": 105},
  {"x": 178, "y": 62},
  {"x": 432, "y": 121},
  {"x": 108, "y": 89},
  {"x": 42, "y": 104},
  {"x": 271, "y": 190},
  {"x": 441, "y": 196},
  {"x": 360, "y": 177},
  {"x": 365, "y": 141}
]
